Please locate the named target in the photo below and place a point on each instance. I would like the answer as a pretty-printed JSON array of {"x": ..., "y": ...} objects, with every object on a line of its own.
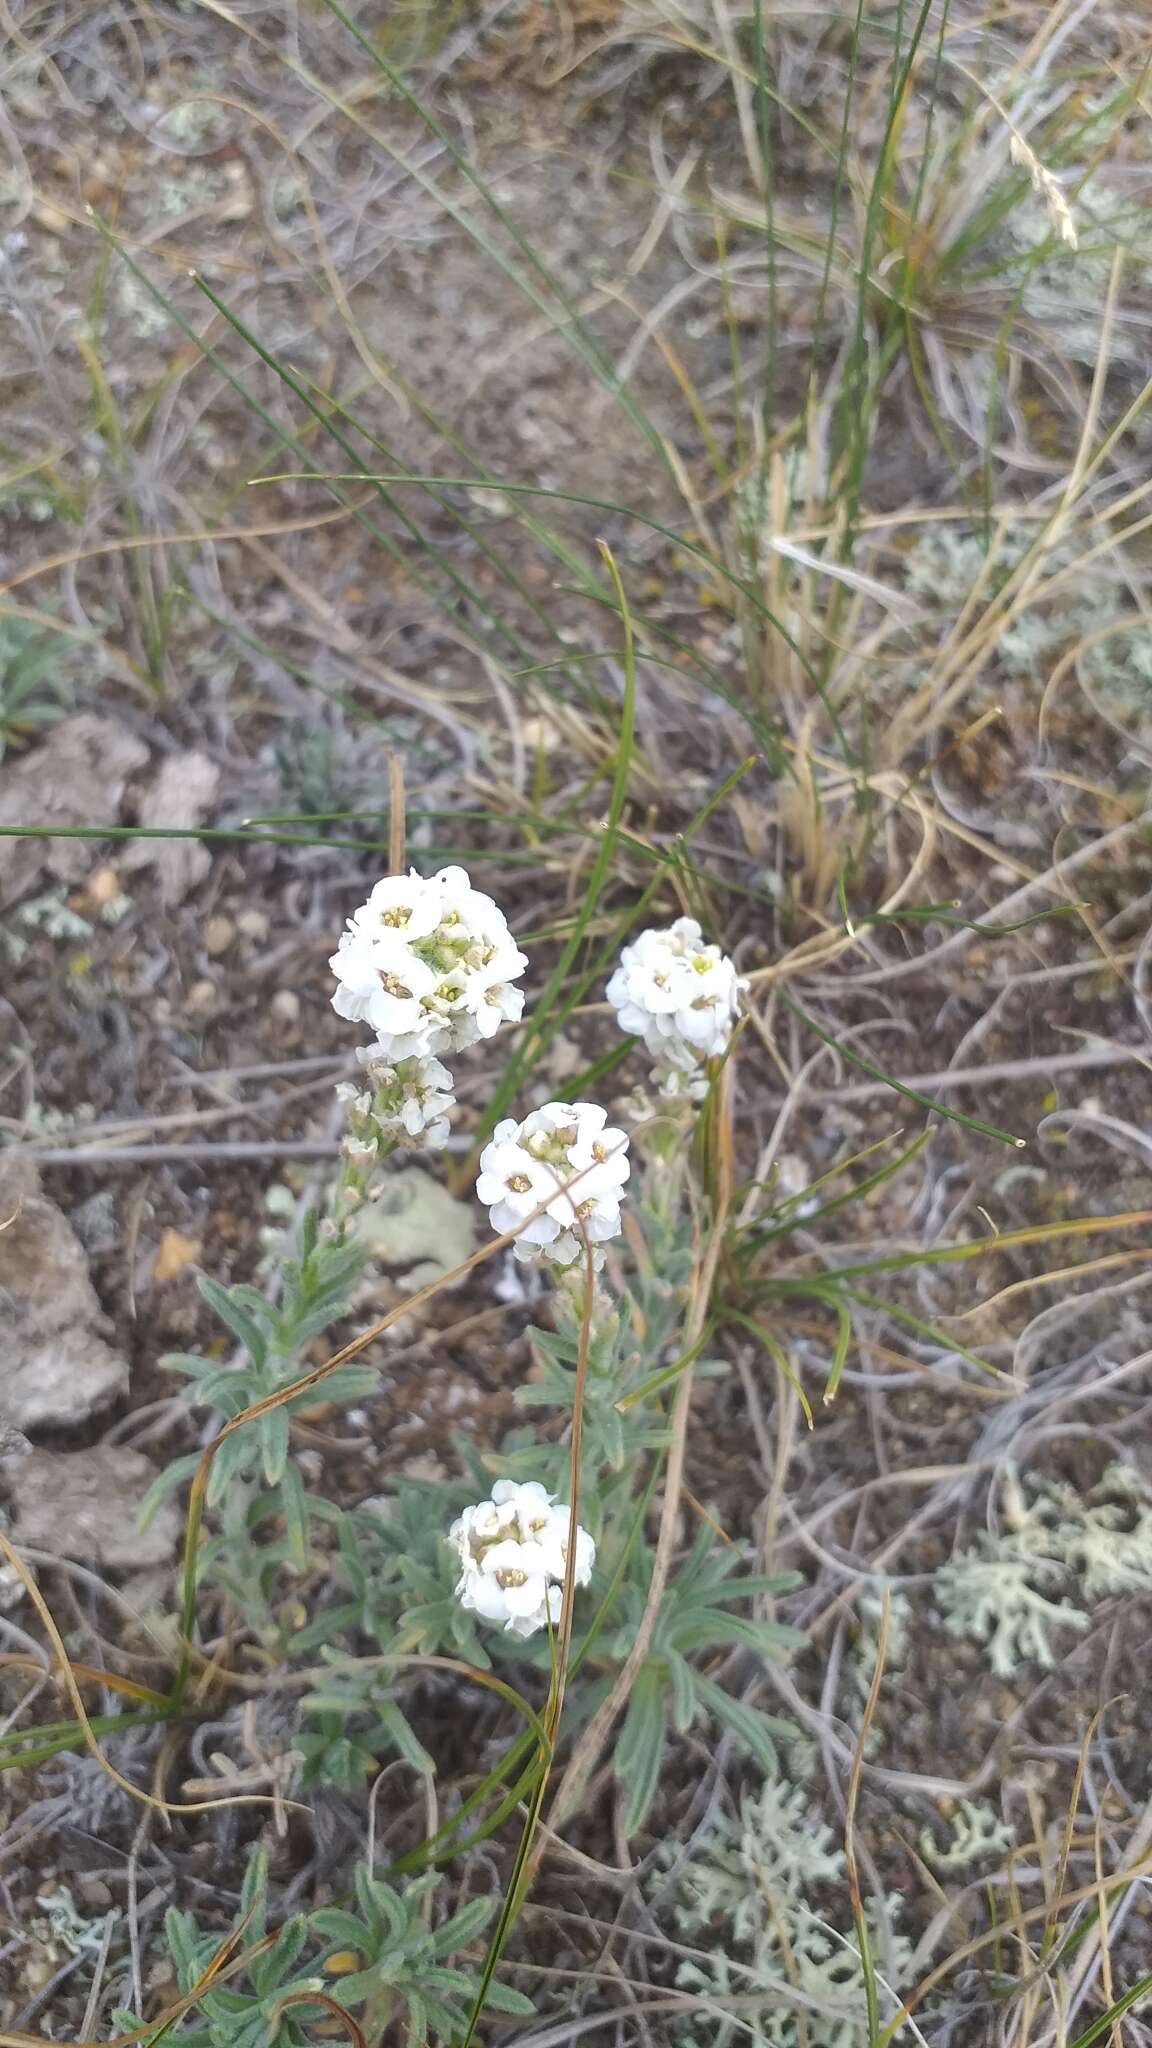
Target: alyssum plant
[
  {"x": 535, "y": 1572},
  {"x": 549, "y": 1581}
]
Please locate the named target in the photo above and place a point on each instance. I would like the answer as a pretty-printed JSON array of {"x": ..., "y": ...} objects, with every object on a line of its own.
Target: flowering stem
[
  {"x": 397, "y": 814},
  {"x": 563, "y": 1642}
]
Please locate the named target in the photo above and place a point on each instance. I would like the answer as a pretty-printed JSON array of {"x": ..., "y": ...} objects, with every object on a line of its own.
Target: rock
[
  {"x": 201, "y": 998},
  {"x": 56, "y": 1364},
  {"x": 219, "y": 933},
  {"x": 93, "y": 1893},
  {"x": 417, "y": 1230},
  {"x": 179, "y": 797},
  {"x": 103, "y": 887},
  {"x": 76, "y": 777},
  {"x": 86, "y": 1504}
]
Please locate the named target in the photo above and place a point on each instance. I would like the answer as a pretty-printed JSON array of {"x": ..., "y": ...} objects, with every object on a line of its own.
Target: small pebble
[
  {"x": 254, "y": 924},
  {"x": 219, "y": 933},
  {"x": 201, "y": 998},
  {"x": 104, "y": 885},
  {"x": 284, "y": 1008},
  {"x": 93, "y": 1892}
]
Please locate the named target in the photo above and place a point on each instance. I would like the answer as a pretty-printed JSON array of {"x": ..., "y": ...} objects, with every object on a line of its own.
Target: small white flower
[
  {"x": 487, "y": 1000},
  {"x": 513, "y": 1552},
  {"x": 511, "y": 1184},
  {"x": 361, "y": 1151},
  {"x": 564, "y": 1161},
  {"x": 382, "y": 983},
  {"x": 523, "y": 1500},
  {"x": 404, "y": 904},
  {"x": 680, "y": 996},
  {"x": 678, "y": 1083}
]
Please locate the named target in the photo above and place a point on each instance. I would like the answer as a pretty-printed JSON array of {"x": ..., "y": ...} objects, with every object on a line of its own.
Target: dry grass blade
[{"x": 397, "y": 824}]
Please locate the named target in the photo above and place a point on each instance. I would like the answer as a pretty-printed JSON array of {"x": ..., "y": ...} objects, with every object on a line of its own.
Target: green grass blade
[
  {"x": 542, "y": 1025},
  {"x": 840, "y": 1354},
  {"x": 853, "y": 1194},
  {"x": 283, "y": 439},
  {"x": 777, "y": 1354},
  {"x": 362, "y": 474},
  {"x": 856, "y": 1059},
  {"x": 969, "y": 1248},
  {"x": 1105, "y": 2021},
  {"x": 921, "y": 1328}
]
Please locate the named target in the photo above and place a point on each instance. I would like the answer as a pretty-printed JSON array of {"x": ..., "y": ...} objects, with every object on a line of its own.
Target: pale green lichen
[
  {"x": 1104, "y": 1537},
  {"x": 141, "y": 313},
  {"x": 1065, "y": 290},
  {"x": 195, "y": 189},
  {"x": 1054, "y": 1542},
  {"x": 192, "y": 124},
  {"x": 751, "y": 1898},
  {"x": 977, "y": 1835},
  {"x": 76, "y": 1931},
  {"x": 994, "y": 1598},
  {"x": 1116, "y": 661}
]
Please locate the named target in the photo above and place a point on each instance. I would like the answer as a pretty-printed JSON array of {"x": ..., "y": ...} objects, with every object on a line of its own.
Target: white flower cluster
[
  {"x": 513, "y": 1552},
  {"x": 429, "y": 965},
  {"x": 528, "y": 1166},
  {"x": 681, "y": 997}
]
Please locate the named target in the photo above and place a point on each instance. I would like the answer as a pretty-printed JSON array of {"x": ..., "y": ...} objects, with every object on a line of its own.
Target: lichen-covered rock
[{"x": 417, "y": 1230}]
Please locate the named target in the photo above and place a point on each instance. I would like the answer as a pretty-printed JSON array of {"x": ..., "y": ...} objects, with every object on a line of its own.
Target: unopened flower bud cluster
[
  {"x": 513, "y": 1552},
  {"x": 681, "y": 996},
  {"x": 400, "y": 1101}
]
